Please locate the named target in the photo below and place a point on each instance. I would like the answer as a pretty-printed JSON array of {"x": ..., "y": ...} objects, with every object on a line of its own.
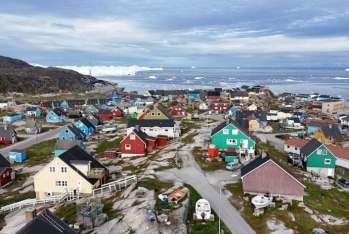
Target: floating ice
[
  {"x": 152, "y": 77},
  {"x": 340, "y": 78},
  {"x": 199, "y": 78}
]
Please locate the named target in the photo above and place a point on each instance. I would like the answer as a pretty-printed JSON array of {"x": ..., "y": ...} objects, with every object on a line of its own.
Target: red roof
[
  {"x": 318, "y": 120},
  {"x": 297, "y": 142},
  {"x": 338, "y": 151}
]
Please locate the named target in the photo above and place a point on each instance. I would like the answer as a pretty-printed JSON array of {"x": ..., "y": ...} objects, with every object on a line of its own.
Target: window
[
  {"x": 153, "y": 114},
  {"x": 166, "y": 130},
  {"x": 61, "y": 183},
  {"x": 58, "y": 183},
  {"x": 132, "y": 137},
  {"x": 66, "y": 131},
  {"x": 159, "y": 114},
  {"x": 64, "y": 169},
  {"x": 127, "y": 147},
  {"x": 7, "y": 173},
  {"x": 327, "y": 161},
  {"x": 231, "y": 141},
  {"x": 235, "y": 132},
  {"x": 321, "y": 151},
  {"x": 52, "y": 169},
  {"x": 288, "y": 147},
  {"x": 295, "y": 148},
  {"x": 64, "y": 183},
  {"x": 225, "y": 131},
  {"x": 3, "y": 175}
]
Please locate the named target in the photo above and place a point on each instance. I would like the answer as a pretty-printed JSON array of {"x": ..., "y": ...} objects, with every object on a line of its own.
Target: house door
[
  {"x": 330, "y": 172},
  {"x": 79, "y": 186},
  {"x": 244, "y": 144}
]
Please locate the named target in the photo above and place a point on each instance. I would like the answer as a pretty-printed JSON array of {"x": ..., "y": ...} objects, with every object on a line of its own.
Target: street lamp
[{"x": 219, "y": 210}]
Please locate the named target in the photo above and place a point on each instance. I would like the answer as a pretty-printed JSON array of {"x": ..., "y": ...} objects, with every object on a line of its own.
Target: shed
[
  {"x": 151, "y": 143},
  {"x": 161, "y": 140},
  {"x": 112, "y": 152},
  {"x": 230, "y": 157},
  {"x": 18, "y": 155}
]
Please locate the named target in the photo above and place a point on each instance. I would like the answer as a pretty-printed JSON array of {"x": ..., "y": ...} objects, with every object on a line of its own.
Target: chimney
[
  {"x": 264, "y": 154},
  {"x": 330, "y": 126},
  {"x": 137, "y": 127},
  {"x": 227, "y": 121}
]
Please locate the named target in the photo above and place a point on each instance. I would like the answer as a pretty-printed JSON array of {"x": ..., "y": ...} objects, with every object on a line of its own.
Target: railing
[{"x": 115, "y": 185}]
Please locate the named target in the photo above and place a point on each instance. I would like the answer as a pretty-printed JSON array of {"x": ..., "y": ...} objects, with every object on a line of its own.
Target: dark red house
[
  {"x": 105, "y": 114},
  {"x": 213, "y": 95},
  {"x": 6, "y": 172},
  {"x": 117, "y": 112},
  {"x": 179, "y": 111},
  {"x": 220, "y": 106},
  {"x": 151, "y": 143},
  {"x": 112, "y": 153},
  {"x": 267, "y": 174},
  {"x": 134, "y": 144}
]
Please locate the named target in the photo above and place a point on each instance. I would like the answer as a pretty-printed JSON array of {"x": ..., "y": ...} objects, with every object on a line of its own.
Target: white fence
[{"x": 115, "y": 185}]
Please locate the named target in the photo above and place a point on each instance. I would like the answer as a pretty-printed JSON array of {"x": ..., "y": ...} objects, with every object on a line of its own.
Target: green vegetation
[
  {"x": 189, "y": 139},
  {"x": 187, "y": 125},
  {"x": 104, "y": 145},
  {"x": 206, "y": 163},
  {"x": 40, "y": 153},
  {"x": 60, "y": 97},
  {"x": 198, "y": 228},
  {"x": 67, "y": 212}
]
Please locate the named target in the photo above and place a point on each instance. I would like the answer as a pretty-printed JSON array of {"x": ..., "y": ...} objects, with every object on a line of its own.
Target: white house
[
  {"x": 293, "y": 145},
  {"x": 137, "y": 109},
  {"x": 155, "y": 127},
  {"x": 4, "y": 103}
]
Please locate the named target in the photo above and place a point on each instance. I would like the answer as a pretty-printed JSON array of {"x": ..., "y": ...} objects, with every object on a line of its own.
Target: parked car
[
  {"x": 280, "y": 136},
  {"x": 232, "y": 166},
  {"x": 344, "y": 182}
]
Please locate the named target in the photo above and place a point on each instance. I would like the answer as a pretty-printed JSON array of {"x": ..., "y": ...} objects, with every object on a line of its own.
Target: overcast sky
[{"x": 176, "y": 32}]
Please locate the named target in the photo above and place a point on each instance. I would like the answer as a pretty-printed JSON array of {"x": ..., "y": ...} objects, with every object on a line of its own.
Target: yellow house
[
  {"x": 158, "y": 112},
  {"x": 250, "y": 93},
  {"x": 74, "y": 170},
  {"x": 319, "y": 135},
  {"x": 253, "y": 125},
  {"x": 252, "y": 107}
]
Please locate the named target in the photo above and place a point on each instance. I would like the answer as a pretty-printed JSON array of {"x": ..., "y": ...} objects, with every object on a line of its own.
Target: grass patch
[
  {"x": 205, "y": 163},
  {"x": 41, "y": 152},
  {"x": 190, "y": 138},
  {"x": 67, "y": 212},
  {"x": 60, "y": 97},
  {"x": 121, "y": 120},
  {"x": 211, "y": 227},
  {"x": 104, "y": 145},
  {"x": 187, "y": 125}
]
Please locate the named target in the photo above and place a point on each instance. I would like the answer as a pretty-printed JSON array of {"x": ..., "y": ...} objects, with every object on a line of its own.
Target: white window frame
[
  {"x": 159, "y": 114},
  {"x": 132, "y": 137},
  {"x": 64, "y": 183},
  {"x": 127, "y": 147},
  {"x": 231, "y": 142},
  {"x": 152, "y": 114},
  {"x": 58, "y": 183},
  {"x": 327, "y": 161},
  {"x": 52, "y": 169},
  {"x": 225, "y": 131},
  {"x": 234, "y": 131},
  {"x": 64, "y": 169}
]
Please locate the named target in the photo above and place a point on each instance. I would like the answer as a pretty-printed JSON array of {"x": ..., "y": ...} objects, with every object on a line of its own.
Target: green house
[
  {"x": 158, "y": 112},
  {"x": 91, "y": 109},
  {"x": 230, "y": 134},
  {"x": 316, "y": 157},
  {"x": 63, "y": 145},
  {"x": 95, "y": 120}
]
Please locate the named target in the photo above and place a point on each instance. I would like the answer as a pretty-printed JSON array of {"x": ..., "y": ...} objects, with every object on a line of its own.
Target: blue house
[
  {"x": 299, "y": 115},
  {"x": 72, "y": 133},
  {"x": 11, "y": 118},
  {"x": 56, "y": 116},
  {"x": 33, "y": 111},
  {"x": 313, "y": 126},
  {"x": 116, "y": 98},
  {"x": 194, "y": 94},
  {"x": 17, "y": 155},
  {"x": 64, "y": 104},
  {"x": 63, "y": 145},
  {"x": 85, "y": 126}
]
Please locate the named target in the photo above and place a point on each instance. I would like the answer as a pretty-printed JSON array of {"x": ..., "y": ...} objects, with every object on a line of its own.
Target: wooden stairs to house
[{"x": 70, "y": 196}]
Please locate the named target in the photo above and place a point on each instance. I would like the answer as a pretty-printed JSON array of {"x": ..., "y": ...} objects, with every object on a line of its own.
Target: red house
[
  {"x": 213, "y": 95},
  {"x": 144, "y": 114},
  {"x": 179, "y": 111},
  {"x": 117, "y": 112},
  {"x": 220, "y": 106},
  {"x": 105, "y": 114},
  {"x": 134, "y": 144},
  {"x": 151, "y": 143},
  {"x": 6, "y": 172},
  {"x": 8, "y": 135},
  {"x": 267, "y": 174}
]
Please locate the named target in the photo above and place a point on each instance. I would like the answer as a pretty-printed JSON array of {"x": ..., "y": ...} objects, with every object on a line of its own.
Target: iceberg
[
  {"x": 152, "y": 77},
  {"x": 106, "y": 70},
  {"x": 347, "y": 69},
  {"x": 340, "y": 78}
]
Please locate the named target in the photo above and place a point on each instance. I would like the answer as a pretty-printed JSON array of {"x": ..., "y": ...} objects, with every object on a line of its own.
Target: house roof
[
  {"x": 169, "y": 123},
  {"x": 346, "y": 118},
  {"x": 339, "y": 152},
  {"x": 4, "y": 163},
  {"x": 314, "y": 121},
  {"x": 104, "y": 111},
  {"x": 43, "y": 223},
  {"x": 66, "y": 144},
  {"x": 74, "y": 113},
  {"x": 321, "y": 124},
  {"x": 164, "y": 111},
  {"x": 78, "y": 154},
  {"x": 58, "y": 112},
  {"x": 223, "y": 124},
  {"x": 332, "y": 131},
  {"x": 97, "y": 117},
  {"x": 30, "y": 123},
  {"x": 87, "y": 123},
  {"x": 297, "y": 142},
  {"x": 260, "y": 161},
  {"x": 213, "y": 93},
  {"x": 262, "y": 115},
  {"x": 6, "y": 132},
  {"x": 179, "y": 106},
  {"x": 112, "y": 150},
  {"x": 75, "y": 130},
  {"x": 312, "y": 145},
  {"x": 31, "y": 108}
]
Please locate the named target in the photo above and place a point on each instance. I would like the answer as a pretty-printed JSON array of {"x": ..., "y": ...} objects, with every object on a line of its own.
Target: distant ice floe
[
  {"x": 199, "y": 78},
  {"x": 340, "y": 78},
  {"x": 347, "y": 69},
  {"x": 152, "y": 77},
  {"x": 106, "y": 70}
]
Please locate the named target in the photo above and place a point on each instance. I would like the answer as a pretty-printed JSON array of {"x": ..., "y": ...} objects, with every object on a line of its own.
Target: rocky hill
[{"x": 19, "y": 76}]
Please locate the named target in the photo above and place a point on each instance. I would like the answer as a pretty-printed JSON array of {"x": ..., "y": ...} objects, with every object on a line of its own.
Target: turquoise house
[
  {"x": 230, "y": 135},
  {"x": 71, "y": 133},
  {"x": 64, "y": 104},
  {"x": 91, "y": 109},
  {"x": 85, "y": 126},
  {"x": 11, "y": 118},
  {"x": 17, "y": 155},
  {"x": 33, "y": 112},
  {"x": 116, "y": 98},
  {"x": 63, "y": 145},
  {"x": 316, "y": 157}
]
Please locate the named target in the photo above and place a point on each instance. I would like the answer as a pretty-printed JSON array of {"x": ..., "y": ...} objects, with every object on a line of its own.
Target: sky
[{"x": 164, "y": 33}]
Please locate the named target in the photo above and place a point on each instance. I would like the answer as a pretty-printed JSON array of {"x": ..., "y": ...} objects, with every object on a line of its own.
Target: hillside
[{"x": 19, "y": 76}]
